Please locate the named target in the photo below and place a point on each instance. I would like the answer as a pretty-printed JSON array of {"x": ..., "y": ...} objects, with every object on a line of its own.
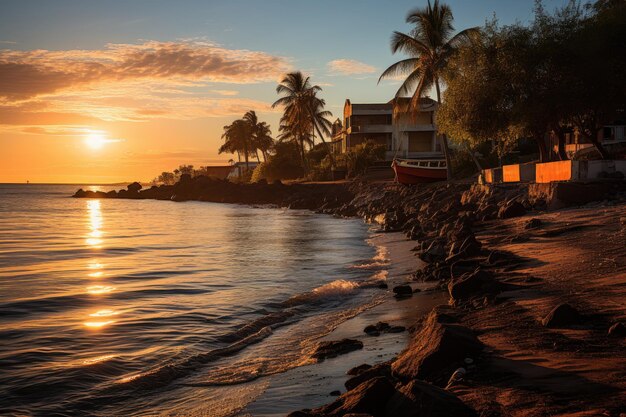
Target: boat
[{"x": 419, "y": 171}]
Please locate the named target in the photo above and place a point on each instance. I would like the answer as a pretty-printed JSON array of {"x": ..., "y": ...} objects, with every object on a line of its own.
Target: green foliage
[
  {"x": 562, "y": 72},
  {"x": 284, "y": 164}
]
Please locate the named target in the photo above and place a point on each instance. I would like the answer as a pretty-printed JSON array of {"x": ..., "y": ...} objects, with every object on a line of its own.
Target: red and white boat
[{"x": 419, "y": 171}]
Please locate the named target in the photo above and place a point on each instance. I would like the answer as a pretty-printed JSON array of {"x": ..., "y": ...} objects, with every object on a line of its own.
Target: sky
[{"x": 115, "y": 91}]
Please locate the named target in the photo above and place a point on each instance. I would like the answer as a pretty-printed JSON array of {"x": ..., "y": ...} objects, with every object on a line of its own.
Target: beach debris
[
  {"x": 436, "y": 348},
  {"x": 335, "y": 393},
  {"x": 617, "y": 330},
  {"x": 561, "y": 315},
  {"x": 330, "y": 349},
  {"x": 358, "y": 369},
  {"x": 419, "y": 398},
  {"x": 402, "y": 291},
  {"x": 468, "y": 361}
]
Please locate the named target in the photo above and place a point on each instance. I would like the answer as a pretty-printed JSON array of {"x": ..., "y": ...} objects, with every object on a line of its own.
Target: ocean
[{"x": 142, "y": 307}]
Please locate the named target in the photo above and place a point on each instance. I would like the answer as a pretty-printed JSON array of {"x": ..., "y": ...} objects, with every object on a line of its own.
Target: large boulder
[
  {"x": 472, "y": 284},
  {"x": 562, "y": 315},
  {"x": 134, "y": 187},
  {"x": 330, "y": 349},
  {"x": 439, "y": 347},
  {"x": 421, "y": 399}
]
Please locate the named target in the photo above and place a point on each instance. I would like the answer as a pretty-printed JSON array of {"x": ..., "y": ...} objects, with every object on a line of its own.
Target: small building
[
  {"x": 239, "y": 168},
  {"x": 219, "y": 171},
  {"x": 404, "y": 135}
]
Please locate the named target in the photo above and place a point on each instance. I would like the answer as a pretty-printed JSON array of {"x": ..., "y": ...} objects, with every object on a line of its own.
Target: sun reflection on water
[
  {"x": 97, "y": 359},
  {"x": 104, "y": 313},
  {"x": 98, "y": 324},
  {"x": 95, "y": 224},
  {"x": 100, "y": 289}
]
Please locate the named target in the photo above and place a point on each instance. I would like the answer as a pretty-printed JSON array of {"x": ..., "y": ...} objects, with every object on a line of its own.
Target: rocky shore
[{"x": 535, "y": 321}]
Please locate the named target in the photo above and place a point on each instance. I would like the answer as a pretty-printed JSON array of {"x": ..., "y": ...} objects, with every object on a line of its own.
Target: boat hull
[{"x": 417, "y": 175}]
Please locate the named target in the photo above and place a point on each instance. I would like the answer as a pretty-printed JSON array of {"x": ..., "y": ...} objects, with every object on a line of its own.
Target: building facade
[{"x": 405, "y": 135}]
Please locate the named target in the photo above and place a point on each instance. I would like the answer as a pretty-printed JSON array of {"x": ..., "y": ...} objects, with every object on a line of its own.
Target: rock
[
  {"x": 383, "y": 286},
  {"x": 617, "y": 330},
  {"x": 403, "y": 291},
  {"x": 416, "y": 290},
  {"x": 533, "y": 224},
  {"x": 472, "y": 284},
  {"x": 134, "y": 187},
  {"x": 512, "y": 209},
  {"x": 435, "y": 252},
  {"x": 371, "y": 330},
  {"x": 79, "y": 194},
  {"x": 436, "y": 349},
  {"x": 330, "y": 349},
  {"x": 381, "y": 326},
  {"x": 396, "y": 329},
  {"x": 335, "y": 393},
  {"x": 421, "y": 399},
  {"x": 382, "y": 369},
  {"x": 358, "y": 369},
  {"x": 111, "y": 194},
  {"x": 561, "y": 315},
  {"x": 370, "y": 398}
]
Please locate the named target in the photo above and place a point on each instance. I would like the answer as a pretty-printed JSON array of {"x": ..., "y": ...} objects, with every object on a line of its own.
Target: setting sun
[{"x": 95, "y": 140}]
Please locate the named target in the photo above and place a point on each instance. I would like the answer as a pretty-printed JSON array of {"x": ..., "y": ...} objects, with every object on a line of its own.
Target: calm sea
[{"x": 141, "y": 307}]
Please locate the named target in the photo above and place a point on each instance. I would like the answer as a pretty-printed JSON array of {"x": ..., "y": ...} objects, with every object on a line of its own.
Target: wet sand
[{"x": 310, "y": 386}]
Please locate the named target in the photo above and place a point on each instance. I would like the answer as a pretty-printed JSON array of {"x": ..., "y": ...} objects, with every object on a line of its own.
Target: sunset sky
[{"x": 112, "y": 91}]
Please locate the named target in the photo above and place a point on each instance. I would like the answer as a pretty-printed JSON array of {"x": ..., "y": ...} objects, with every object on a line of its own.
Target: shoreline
[{"x": 484, "y": 248}]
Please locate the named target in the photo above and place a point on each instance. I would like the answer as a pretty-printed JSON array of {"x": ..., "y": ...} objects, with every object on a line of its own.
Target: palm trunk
[
  {"x": 444, "y": 139},
  {"x": 330, "y": 153}
]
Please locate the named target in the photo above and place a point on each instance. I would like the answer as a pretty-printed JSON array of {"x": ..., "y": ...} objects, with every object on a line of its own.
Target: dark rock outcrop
[
  {"x": 370, "y": 397},
  {"x": 562, "y": 315},
  {"x": 403, "y": 291},
  {"x": 330, "y": 349},
  {"x": 382, "y": 369},
  {"x": 134, "y": 187},
  {"x": 421, "y": 399},
  {"x": 472, "y": 284},
  {"x": 436, "y": 349}
]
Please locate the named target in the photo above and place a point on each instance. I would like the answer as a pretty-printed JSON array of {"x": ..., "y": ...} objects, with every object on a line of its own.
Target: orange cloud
[
  {"x": 27, "y": 74},
  {"x": 350, "y": 67}
]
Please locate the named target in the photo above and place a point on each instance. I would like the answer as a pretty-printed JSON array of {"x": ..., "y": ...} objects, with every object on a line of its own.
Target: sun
[{"x": 95, "y": 140}]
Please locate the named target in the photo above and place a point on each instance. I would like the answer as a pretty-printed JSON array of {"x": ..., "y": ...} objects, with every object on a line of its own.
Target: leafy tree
[
  {"x": 430, "y": 45},
  {"x": 238, "y": 138},
  {"x": 303, "y": 112}
]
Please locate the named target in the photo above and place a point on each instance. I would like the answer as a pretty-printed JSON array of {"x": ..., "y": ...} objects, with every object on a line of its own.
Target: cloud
[
  {"x": 41, "y": 89},
  {"x": 27, "y": 74},
  {"x": 350, "y": 67}
]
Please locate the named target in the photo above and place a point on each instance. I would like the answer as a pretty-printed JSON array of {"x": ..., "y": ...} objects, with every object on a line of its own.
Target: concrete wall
[
  {"x": 518, "y": 173},
  {"x": 557, "y": 171}
]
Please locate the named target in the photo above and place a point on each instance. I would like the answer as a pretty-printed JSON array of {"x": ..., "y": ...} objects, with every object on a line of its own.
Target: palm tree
[
  {"x": 429, "y": 45},
  {"x": 261, "y": 139},
  {"x": 303, "y": 110},
  {"x": 237, "y": 138}
]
